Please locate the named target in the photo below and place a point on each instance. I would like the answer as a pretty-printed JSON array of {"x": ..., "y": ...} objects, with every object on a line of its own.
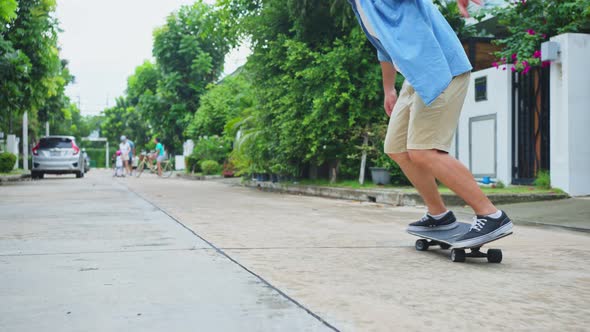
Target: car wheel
[{"x": 80, "y": 174}]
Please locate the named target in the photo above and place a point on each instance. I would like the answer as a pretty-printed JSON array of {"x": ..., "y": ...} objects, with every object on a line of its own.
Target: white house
[{"x": 513, "y": 125}]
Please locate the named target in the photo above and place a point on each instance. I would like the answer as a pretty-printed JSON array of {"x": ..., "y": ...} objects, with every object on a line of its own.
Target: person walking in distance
[
  {"x": 413, "y": 38},
  {"x": 131, "y": 154},
  {"x": 125, "y": 149},
  {"x": 159, "y": 155}
]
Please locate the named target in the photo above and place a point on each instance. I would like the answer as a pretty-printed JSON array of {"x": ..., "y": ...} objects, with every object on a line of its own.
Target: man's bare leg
[
  {"x": 423, "y": 181},
  {"x": 455, "y": 176}
]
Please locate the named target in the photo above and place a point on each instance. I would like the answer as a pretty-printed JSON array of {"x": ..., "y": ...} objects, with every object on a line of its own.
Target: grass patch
[
  {"x": 353, "y": 184},
  {"x": 14, "y": 172}
]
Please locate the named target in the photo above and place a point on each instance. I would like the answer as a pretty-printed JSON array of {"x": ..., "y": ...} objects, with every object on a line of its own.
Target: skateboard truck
[
  {"x": 459, "y": 255},
  {"x": 493, "y": 255}
]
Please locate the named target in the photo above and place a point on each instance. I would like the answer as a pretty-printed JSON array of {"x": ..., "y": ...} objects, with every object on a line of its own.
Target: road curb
[
  {"x": 14, "y": 178},
  {"x": 390, "y": 196},
  {"x": 198, "y": 177}
]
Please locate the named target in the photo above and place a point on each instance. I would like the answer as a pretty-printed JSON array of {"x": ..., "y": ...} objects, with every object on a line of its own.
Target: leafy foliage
[
  {"x": 210, "y": 167},
  {"x": 531, "y": 22},
  {"x": 33, "y": 76},
  {"x": 7, "y": 161},
  {"x": 189, "y": 50},
  {"x": 211, "y": 148},
  {"x": 163, "y": 97},
  {"x": 220, "y": 104}
]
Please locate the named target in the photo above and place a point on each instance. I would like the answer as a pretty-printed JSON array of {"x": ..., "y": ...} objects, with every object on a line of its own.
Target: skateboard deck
[{"x": 446, "y": 239}]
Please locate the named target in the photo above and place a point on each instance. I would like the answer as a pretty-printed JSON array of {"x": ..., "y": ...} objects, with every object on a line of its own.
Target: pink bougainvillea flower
[
  {"x": 525, "y": 63},
  {"x": 546, "y": 64},
  {"x": 514, "y": 57},
  {"x": 495, "y": 64},
  {"x": 544, "y": 36},
  {"x": 513, "y": 69},
  {"x": 531, "y": 32},
  {"x": 526, "y": 69},
  {"x": 537, "y": 54}
]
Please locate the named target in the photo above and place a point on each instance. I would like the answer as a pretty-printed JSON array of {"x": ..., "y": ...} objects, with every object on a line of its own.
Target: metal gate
[{"x": 530, "y": 124}]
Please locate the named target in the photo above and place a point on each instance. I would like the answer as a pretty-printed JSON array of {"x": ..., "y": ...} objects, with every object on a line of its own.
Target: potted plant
[{"x": 380, "y": 175}]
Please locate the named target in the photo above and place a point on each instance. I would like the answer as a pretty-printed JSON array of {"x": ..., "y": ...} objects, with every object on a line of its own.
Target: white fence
[{"x": 483, "y": 141}]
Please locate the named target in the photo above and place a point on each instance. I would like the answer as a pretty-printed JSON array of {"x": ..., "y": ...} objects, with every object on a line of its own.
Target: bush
[
  {"x": 7, "y": 161},
  {"x": 210, "y": 167},
  {"x": 97, "y": 156},
  {"x": 211, "y": 148},
  {"x": 192, "y": 164},
  {"x": 543, "y": 180}
]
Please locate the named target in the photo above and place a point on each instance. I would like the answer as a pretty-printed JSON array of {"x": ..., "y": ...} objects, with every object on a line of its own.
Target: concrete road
[
  {"x": 350, "y": 264},
  {"x": 89, "y": 255}
]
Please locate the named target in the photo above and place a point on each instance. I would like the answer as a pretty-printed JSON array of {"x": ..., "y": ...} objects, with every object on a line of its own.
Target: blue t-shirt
[
  {"x": 132, "y": 146},
  {"x": 417, "y": 39},
  {"x": 160, "y": 149}
]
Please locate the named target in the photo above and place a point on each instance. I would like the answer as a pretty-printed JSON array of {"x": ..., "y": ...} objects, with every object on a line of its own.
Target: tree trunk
[
  {"x": 313, "y": 171},
  {"x": 334, "y": 171},
  {"x": 364, "y": 158}
]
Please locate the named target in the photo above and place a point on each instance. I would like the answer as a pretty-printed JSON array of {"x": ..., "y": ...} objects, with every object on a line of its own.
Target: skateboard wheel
[
  {"x": 458, "y": 255},
  {"x": 444, "y": 246},
  {"x": 494, "y": 255},
  {"x": 421, "y": 245}
]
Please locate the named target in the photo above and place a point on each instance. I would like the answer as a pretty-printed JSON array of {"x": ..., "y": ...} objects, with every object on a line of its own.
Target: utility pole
[{"x": 25, "y": 141}]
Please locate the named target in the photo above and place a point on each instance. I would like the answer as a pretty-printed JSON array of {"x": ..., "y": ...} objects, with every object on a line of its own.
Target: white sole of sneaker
[
  {"x": 481, "y": 240},
  {"x": 433, "y": 229}
]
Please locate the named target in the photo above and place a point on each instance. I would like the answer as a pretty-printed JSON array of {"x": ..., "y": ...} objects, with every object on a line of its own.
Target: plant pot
[{"x": 380, "y": 175}]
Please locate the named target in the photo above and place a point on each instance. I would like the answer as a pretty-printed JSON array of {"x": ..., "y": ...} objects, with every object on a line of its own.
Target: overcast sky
[{"x": 104, "y": 40}]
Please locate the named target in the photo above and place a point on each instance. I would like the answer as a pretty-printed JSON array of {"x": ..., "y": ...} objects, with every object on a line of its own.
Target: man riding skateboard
[{"x": 412, "y": 37}]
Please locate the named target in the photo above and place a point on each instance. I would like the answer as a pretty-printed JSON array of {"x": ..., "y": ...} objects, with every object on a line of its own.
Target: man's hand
[
  {"x": 462, "y": 4},
  {"x": 390, "y": 100}
]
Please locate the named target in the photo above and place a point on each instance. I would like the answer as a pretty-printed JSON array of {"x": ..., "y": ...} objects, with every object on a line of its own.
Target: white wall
[
  {"x": 570, "y": 115},
  {"x": 489, "y": 151}
]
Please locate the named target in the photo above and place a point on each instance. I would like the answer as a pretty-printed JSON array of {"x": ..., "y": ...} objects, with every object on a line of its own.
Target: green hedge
[
  {"x": 210, "y": 167},
  {"x": 97, "y": 156},
  {"x": 7, "y": 161}
]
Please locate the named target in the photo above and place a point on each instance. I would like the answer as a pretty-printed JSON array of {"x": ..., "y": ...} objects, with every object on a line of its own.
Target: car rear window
[{"x": 55, "y": 143}]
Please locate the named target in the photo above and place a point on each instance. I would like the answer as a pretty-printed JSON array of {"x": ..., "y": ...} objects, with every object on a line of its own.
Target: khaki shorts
[{"x": 415, "y": 126}]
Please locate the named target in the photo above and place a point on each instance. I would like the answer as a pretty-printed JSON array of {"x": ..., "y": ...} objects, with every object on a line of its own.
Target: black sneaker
[
  {"x": 483, "y": 230},
  {"x": 427, "y": 223}
]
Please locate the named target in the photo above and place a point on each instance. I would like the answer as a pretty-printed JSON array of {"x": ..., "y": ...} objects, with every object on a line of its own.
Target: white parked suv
[{"x": 57, "y": 155}]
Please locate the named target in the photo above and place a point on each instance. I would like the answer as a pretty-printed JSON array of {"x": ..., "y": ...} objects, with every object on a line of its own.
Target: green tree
[
  {"x": 31, "y": 70},
  {"x": 7, "y": 10},
  {"x": 124, "y": 119},
  {"x": 532, "y": 22},
  {"x": 316, "y": 93},
  {"x": 222, "y": 103},
  {"x": 189, "y": 50}
]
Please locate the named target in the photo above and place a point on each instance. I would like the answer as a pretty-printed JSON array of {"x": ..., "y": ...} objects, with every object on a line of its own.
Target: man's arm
[
  {"x": 462, "y": 4},
  {"x": 389, "y": 73}
]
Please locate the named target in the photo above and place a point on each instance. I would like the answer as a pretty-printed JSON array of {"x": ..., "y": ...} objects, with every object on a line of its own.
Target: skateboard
[{"x": 445, "y": 239}]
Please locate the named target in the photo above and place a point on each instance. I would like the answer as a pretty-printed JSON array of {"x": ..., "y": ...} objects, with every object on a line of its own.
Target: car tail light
[
  {"x": 76, "y": 148},
  {"x": 35, "y": 152}
]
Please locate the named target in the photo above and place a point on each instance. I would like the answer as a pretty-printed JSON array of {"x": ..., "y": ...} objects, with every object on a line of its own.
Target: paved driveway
[
  {"x": 89, "y": 255},
  {"x": 350, "y": 264}
]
